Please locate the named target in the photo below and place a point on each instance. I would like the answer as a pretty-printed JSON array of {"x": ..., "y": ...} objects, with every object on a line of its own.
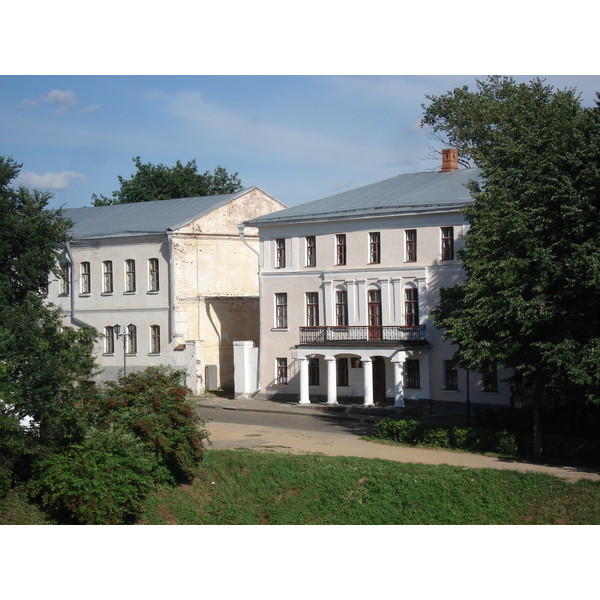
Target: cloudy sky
[{"x": 299, "y": 138}]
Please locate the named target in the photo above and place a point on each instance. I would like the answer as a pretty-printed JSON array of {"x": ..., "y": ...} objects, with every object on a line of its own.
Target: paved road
[{"x": 333, "y": 436}]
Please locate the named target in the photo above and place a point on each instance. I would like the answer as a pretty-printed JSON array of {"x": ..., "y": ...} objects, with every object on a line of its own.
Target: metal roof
[
  {"x": 139, "y": 218},
  {"x": 411, "y": 192}
]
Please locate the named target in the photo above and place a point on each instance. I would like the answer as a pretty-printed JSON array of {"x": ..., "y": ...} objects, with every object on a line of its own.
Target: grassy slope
[{"x": 246, "y": 487}]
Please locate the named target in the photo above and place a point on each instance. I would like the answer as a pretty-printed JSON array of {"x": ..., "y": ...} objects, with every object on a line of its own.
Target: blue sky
[{"x": 298, "y": 138}]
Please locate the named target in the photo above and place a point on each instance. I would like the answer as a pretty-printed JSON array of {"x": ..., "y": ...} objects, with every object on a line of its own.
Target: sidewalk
[{"x": 348, "y": 409}]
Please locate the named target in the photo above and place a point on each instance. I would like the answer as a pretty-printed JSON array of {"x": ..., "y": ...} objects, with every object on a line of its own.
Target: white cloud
[
  {"x": 26, "y": 103},
  {"x": 87, "y": 109},
  {"x": 59, "y": 97},
  {"x": 49, "y": 181}
]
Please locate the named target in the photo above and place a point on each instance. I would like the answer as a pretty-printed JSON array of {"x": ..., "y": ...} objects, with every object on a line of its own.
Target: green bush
[
  {"x": 101, "y": 481},
  {"x": 153, "y": 406},
  {"x": 464, "y": 438}
]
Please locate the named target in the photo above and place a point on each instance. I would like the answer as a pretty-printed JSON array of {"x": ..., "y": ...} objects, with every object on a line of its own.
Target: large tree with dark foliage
[
  {"x": 42, "y": 364},
  {"x": 531, "y": 299},
  {"x": 159, "y": 182}
]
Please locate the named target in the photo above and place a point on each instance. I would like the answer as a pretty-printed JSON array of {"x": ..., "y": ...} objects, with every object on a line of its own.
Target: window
[
  {"x": 312, "y": 309},
  {"x": 342, "y": 372},
  {"x": 280, "y": 253},
  {"x": 374, "y": 248},
  {"x": 311, "y": 251},
  {"x": 341, "y": 308},
  {"x": 413, "y": 376},
  {"x": 490, "y": 381},
  {"x": 131, "y": 339},
  {"x": 281, "y": 320},
  {"x": 282, "y": 377},
  {"x": 411, "y": 245},
  {"x": 65, "y": 280},
  {"x": 340, "y": 249},
  {"x": 130, "y": 275},
  {"x": 313, "y": 371},
  {"x": 153, "y": 285},
  {"x": 86, "y": 282},
  {"x": 107, "y": 283},
  {"x": 411, "y": 306},
  {"x": 154, "y": 339},
  {"x": 447, "y": 243},
  {"x": 450, "y": 375},
  {"x": 109, "y": 340}
]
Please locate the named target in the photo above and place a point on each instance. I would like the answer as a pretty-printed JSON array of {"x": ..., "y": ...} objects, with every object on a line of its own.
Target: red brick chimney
[{"x": 449, "y": 159}]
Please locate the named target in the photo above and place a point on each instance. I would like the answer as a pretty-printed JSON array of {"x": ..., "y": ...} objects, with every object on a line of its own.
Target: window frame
[
  {"x": 374, "y": 247},
  {"x": 132, "y": 341},
  {"x": 450, "y": 376},
  {"x": 410, "y": 236},
  {"x": 342, "y": 372},
  {"x": 86, "y": 278},
  {"x": 412, "y": 370},
  {"x": 281, "y": 374},
  {"x": 280, "y": 258},
  {"x": 341, "y": 308},
  {"x": 411, "y": 306},
  {"x": 447, "y": 243},
  {"x": 314, "y": 374},
  {"x": 312, "y": 309},
  {"x": 65, "y": 279},
  {"x": 130, "y": 276},
  {"x": 109, "y": 340},
  {"x": 311, "y": 251},
  {"x": 107, "y": 277},
  {"x": 153, "y": 275},
  {"x": 154, "y": 339},
  {"x": 340, "y": 249},
  {"x": 281, "y": 310}
]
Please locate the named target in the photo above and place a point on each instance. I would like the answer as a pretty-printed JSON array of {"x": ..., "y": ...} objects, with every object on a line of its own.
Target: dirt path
[{"x": 272, "y": 439}]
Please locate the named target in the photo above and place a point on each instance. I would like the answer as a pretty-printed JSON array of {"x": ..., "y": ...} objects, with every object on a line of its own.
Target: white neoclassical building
[
  {"x": 347, "y": 285},
  {"x": 165, "y": 283}
]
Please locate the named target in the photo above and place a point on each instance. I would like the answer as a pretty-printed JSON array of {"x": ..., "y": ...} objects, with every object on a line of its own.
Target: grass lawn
[{"x": 244, "y": 487}]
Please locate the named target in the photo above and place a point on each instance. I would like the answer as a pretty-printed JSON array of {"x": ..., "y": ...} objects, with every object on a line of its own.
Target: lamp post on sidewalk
[{"x": 126, "y": 333}]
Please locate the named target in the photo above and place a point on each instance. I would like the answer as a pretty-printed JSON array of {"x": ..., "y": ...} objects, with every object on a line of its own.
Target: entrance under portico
[{"x": 375, "y": 385}]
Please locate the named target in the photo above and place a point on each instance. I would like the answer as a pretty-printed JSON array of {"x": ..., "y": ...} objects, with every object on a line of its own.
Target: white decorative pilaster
[
  {"x": 384, "y": 285},
  {"x": 331, "y": 380},
  {"x": 352, "y": 310},
  {"x": 328, "y": 316},
  {"x": 398, "y": 300},
  {"x": 368, "y": 381},
  {"x": 304, "y": 399},
  {"x": 361, "y": 288}
]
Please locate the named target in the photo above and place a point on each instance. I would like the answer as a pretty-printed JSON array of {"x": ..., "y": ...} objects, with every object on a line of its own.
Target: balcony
[{"x": 413, "y": 335}]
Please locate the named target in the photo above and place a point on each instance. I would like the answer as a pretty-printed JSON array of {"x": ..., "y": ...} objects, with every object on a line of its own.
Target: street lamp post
[{"x": 117, "y": 329}]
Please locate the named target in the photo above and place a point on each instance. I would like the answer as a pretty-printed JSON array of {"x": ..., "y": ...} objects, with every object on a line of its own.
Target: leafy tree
[
  {"x": 159, "y": 182},
  {"x": 531, "y": 298},
  {"x": 40, "y": 362}
]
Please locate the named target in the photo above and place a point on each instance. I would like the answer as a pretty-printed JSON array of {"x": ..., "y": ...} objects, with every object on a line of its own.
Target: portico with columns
[{"x": 395, "y": 357}]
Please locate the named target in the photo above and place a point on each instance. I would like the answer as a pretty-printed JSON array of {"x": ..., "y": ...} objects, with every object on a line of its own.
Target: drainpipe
[
  {"x": 171, "y": 285},
  {"x": 74, "y": 320},
  {"x": 241, "y": 228}
]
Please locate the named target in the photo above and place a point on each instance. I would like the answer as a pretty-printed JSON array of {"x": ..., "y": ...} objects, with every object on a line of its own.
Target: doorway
[{"x": 379, "y": 383}]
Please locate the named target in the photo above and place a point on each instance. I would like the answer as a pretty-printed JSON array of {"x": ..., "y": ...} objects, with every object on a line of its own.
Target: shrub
[
  {"x": 152, "y": 405},
  {"x": 101, "y": 481}
]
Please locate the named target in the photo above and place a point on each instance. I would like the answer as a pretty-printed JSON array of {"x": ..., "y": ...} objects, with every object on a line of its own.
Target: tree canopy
[
  {"x": 531, "y": 298},
  {"x": 159, "y": 182},
  {"x": 40, "y": 361}
]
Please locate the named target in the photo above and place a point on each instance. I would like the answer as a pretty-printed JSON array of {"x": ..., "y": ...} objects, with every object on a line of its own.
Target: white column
[
  {"x": 398, "y": 384},
  {"x": 331, "y": 380},
  {"x": 368, "y": 381},
  {"x": 303, "y": 380},
  {"x": 361, "y": 288}
]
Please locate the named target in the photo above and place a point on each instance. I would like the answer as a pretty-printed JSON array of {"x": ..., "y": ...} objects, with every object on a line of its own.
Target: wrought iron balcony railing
[{"x": 372, "y": 335}]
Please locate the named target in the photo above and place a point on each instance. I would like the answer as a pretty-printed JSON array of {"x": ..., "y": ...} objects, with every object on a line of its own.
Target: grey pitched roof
[
  {"x": 411, "y": 192},
  {"x": 157, "y": 216}
]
